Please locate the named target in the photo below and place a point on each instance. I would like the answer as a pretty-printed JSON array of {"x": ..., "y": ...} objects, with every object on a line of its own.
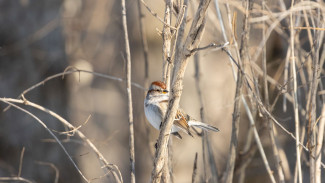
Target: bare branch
[
  {"x": 129, "y": 92},
  {"x": 50, "y": 132},
  {"x": 294, "y": 94},
  {"x": 110, "y": 167},
  {"x": 15, "y": 179},
  {"x": 71, "y": 70},
  {"x": 21, "y": 161},
  {"x": 57, "y": 172},
  {"x": 156, "y": 15},
  {"x": 194, "y": 168},
  {"x": 192, "y": 41},
  {"x": 318, "y": 149}
]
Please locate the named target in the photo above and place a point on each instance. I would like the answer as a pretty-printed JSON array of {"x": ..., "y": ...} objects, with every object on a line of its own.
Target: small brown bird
[{"x": 155, "y": 108}]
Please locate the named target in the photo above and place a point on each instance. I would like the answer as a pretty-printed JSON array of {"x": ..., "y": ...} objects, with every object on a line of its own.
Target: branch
[
  {"x": 228, "y": 176},
  {"x": 156, "y": 15},
  {"x": 275, "y": 150},
  {"x": 194, "y": 169},
  {"x": 294, "y": 94},
  {"x": 50, "y": 132},
  {"x": 71, "y": 70},
  {"x": 129, "y": 92},
  {"x": 192, "y": 41},
  {"x": 212, "y": 45},
  {"x": 110, "y": 167},
  {"x": 318, "y": 149}
]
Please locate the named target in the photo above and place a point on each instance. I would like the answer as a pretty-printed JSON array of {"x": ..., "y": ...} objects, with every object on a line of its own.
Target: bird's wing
[{"x": 181, "y": 121}]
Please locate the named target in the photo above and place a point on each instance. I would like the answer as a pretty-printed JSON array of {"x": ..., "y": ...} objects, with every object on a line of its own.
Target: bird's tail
[{"x": 203, "y": 126}]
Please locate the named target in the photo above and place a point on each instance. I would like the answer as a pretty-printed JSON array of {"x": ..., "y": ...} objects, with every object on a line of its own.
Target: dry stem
[
  {"x": 192, "y": 41},
  {"x": 129, "y": 92}
]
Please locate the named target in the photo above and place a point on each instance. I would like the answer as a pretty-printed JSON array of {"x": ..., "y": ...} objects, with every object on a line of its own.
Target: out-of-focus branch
[
  {"x": 166, "y": 58},
  {"x": 156, "y": 15},
  {"x": 48, "y": 130},
  {"x": 228, "y": 176},
  {"x": 192, "y": 41},
  {"x": 319, "y": 144},
  {"x": 205, "y": 138},
  {"x": 294, "y": 94},
  {"x": 106, "y": 165},
  {"x": 71, "y": 70},
  {"x": 56, "y": 170},
  {"x": 167, "y": 39},
  {"x": 278, "y": 165},
  {"x": 15, "y": 179},
  {"x": 144, "y": 43},
  {"x": 129, "y": 91},
  {"x": 194, "y": 168}
]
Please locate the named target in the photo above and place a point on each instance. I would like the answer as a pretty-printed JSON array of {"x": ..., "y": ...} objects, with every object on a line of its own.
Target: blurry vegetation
[{"x": 272, "y": 128}]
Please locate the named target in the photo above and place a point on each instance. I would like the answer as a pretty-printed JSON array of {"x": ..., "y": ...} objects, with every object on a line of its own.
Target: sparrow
[{"x": 155, "y": 108}]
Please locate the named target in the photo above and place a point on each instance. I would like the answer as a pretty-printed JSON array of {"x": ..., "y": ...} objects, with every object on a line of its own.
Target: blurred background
[{"x": 41, "y": 38}]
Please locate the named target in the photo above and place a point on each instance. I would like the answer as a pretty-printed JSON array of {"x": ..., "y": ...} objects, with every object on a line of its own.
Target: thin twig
[
  {"x": 156, "y": 15},
  {"x": 15, "y": 179},
  {"x": 71, "y": 70},
  {"x": 228, "y": 176},
  {"x": 194, "y": 168},
  {"x": 212, "y": 45},
  {"x": 21, "y": 161},
  {"x": 144, "y": 43},
  {"x": 312, "y": 106},
  {"x": 294, "y": 94},
  {"x": 167, "y": 38},
  {"x": 278, "y": 166},
  {"x": 246, "y": 156},
  {"x": 57, "y": 172},
  {"x": 110, "y": 167},
  {"x": 129, "y": 92},
  {"x": 50, "y": 132},
  {"x": 319, "y": 144},
  {"x": 205, "y": 138},
  {"x": 259, "y": 144}
]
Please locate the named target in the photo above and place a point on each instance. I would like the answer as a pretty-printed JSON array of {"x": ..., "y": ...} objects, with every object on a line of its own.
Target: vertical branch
[
  {"x": 259, "y": 143},
  {"x": 167, "y": 38},
  {"x": 192, "y": 41},
  {"x": 197, "y": 78},
  {"x": 267, "y": 103},
  {"x": 294, "y": 93},
  {"x": 21, "y": 161},
  {"x": 235, "y": 128},
  {"x": 205, "y": 140},
  {"x": 318, "y": 149},
  {"x": 144, "y": 43},
  {"x": 236, "y": 114},
  {"x": 194, "y": 168},
  {"x": 129, "y": 91},
  {"x": 312, "y": 108}
]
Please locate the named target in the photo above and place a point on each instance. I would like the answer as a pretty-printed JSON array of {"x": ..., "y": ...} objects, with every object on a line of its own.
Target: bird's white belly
[{"x": 153, "y": 117}]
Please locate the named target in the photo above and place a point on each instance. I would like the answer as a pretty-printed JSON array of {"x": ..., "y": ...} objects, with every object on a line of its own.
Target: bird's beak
[{"x": 165, "y": 91}]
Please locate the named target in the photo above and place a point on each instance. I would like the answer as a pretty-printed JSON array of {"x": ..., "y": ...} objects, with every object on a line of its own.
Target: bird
[{"x": 155, "y": 108}]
